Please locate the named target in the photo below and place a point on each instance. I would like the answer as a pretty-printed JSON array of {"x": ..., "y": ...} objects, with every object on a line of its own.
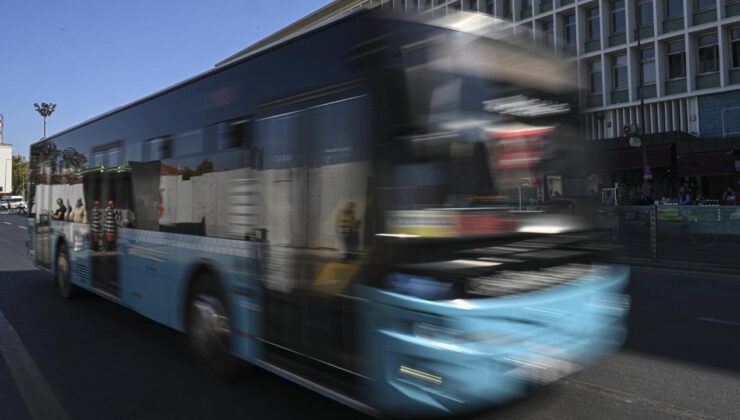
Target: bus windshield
[{"x": 474, "y": 134}]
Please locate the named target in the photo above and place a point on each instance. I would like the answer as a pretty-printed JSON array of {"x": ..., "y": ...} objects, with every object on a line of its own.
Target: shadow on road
[
  {"x": 691, "y": 316},
  {"x": 103, "y": 360}
]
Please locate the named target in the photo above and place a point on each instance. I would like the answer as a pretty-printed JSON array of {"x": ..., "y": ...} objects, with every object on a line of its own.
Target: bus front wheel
[
  {"x": 209, "y": 328},
  {"x": 66, "y": 289}
]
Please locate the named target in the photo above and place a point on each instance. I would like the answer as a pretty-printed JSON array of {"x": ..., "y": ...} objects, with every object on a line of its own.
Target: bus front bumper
[{"x": 437, "y": 358}]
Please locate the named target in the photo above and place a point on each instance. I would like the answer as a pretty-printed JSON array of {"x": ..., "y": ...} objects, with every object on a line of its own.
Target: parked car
[{"x": 12, "y": 202}]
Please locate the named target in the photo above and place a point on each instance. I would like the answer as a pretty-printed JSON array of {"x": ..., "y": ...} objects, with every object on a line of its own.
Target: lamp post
[
  {"x": 45, "y": 110},
  {"x": 641, "y": 127},
  {"x": 5, "y": 181}
]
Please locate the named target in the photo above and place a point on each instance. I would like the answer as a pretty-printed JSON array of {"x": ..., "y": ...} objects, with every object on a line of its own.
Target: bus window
[
  {"x": 234, "y": 134},
  {"x": 157, "y": 148},
  {"x": 189, "y": 143},
  {"x": 107, "y": 155}
]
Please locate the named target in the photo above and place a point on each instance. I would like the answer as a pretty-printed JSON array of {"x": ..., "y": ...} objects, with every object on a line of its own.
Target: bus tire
[
  {"x": 65, "y": 287},
  {"x": 208, "y": 327}
]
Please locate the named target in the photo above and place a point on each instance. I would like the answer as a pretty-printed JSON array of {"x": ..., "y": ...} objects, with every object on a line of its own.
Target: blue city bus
[{"x": 361, "y": 209}]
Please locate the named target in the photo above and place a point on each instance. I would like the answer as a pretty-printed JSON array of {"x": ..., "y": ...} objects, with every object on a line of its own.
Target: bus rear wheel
[
  {"x": 66, "y": 289},
  {"x": 209, "y": 329}
]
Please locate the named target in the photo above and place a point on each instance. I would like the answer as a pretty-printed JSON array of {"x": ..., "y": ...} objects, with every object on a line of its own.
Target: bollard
[{"x": 654, "y": 231}]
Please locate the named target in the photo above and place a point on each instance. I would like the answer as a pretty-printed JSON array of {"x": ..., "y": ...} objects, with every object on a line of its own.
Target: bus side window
[
  {"x": 228, "y": 135},
  {"x": 158, "y": 148},
  {"x": 234, "y": 134}
]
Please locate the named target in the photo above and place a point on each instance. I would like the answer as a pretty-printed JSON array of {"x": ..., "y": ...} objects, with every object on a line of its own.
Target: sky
[{"x": 90, "y": 56}]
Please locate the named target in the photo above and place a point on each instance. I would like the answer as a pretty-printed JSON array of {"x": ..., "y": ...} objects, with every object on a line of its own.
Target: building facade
[
  {"x": 674, "y": 64},
  {"x": 684, "y": 55},
  {"x": 6, "y": 169}
]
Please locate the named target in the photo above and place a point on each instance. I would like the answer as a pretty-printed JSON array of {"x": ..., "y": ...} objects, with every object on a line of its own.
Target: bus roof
[
  {"x": 478, "y": 24},
  {"x": 202, "y": 75}
]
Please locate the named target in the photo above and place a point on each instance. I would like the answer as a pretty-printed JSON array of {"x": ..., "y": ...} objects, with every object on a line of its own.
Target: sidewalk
[{"x": 676, "y": 265}]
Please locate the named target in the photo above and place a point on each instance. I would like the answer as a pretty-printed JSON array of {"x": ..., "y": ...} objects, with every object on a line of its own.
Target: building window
[
  {"x": 526, "y": 5},
  {"x": 491, "y": 7},
  {"x": 569, "y": 29},
  {"x": 619, "y": 67},
  {"x": 708, "y": 54},
  {"x": 647, "y": 63},
  {"x": 676, "y": 60},
  {"x": 673, "y": 8},
  {"x": 645, "y": 13},
  {"x": 548, "y": 31},
  {"x": 618, "y": 22},
  {"x": 471, "y": 5},
  {"x": 594, "y": 76},
  {"x": 594, "y": 23},
  {"x": 506, "y": 9},
  {"x": 735, "y": 47},
  {"x": 704, "y": 4}
]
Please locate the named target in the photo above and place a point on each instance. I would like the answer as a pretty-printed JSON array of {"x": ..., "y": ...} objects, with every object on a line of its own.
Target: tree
[
  {"x": 20, "y": 175},
  {"x": 72, "y": 159}
]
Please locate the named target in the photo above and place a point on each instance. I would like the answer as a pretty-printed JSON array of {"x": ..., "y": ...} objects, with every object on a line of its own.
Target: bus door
[
  {"x": 43, "y": 243},
  {"x": 108, "y": 192},
  {"x": 313, "y": 191},
  {"x": 42, "y": 207}
]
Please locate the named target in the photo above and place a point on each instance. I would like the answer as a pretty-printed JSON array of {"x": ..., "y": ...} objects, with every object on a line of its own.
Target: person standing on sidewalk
[
  {"x": 347, "y": 228},
  {"x": 110, "y": 225},
  {"x": 96, "y": 225},
  {"x": 59, "y": 213},
  {"x": 78, "y": 214}
]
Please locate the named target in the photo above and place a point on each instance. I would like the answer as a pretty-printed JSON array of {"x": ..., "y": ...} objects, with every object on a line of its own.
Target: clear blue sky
[{"x": 89, "y": 56}]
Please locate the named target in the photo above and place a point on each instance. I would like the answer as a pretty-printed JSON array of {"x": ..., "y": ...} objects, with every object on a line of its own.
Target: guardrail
[{"x": 691, "y": 234}]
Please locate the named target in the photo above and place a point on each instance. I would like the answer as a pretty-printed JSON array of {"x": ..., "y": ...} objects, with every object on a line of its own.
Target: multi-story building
[
  {"x": 683, "y": 56},
  {"x": 6, "y": 169},
  {"x": 685, "y": 52}
]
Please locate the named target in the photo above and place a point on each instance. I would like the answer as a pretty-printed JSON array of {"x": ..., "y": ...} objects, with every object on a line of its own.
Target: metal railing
[{"x": 690, "y": 234}]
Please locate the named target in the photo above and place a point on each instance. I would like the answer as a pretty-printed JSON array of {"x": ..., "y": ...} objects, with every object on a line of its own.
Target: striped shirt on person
[
  {"x": 112, "y": 217},
  {"x": 96, "y": 222}
]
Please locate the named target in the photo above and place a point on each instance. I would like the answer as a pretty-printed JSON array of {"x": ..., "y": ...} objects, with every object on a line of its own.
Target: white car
[{"x": 12, "y": 202}]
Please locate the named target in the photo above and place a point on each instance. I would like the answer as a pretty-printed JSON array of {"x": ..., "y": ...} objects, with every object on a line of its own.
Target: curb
[{"x": 676, "y": 265}]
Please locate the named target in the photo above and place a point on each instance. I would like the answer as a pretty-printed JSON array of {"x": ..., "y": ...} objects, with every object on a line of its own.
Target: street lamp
[
  {"x": 641, "y": 128},
  {"x": 45, "y": 110},
  {"x": 5, "y": 181}
]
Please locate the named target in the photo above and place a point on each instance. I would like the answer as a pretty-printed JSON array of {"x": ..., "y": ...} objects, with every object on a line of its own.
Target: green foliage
[{"x": 20, "y": 175}]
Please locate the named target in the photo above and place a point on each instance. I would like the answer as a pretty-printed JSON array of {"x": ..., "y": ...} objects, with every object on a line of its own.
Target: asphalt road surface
[{"x": 92, "y": 359}]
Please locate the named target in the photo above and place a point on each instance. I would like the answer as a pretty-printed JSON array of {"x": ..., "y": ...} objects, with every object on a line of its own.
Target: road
[{"x": 91, "y": 359}]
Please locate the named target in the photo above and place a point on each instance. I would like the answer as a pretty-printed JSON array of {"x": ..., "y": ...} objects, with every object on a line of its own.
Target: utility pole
[
  {"x": 641, "y": 127},
  {"x": 45, "y": 110}
]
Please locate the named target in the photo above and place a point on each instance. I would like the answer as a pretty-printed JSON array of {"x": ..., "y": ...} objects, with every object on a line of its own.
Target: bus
[{"x": 358, "y": 209}]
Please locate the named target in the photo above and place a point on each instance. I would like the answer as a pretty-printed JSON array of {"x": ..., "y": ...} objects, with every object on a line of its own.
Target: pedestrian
[
  {"x": 60, "y": 211},
  {"x": 110, "y": 225},
  {"x": 347, "y": 228},
  {"x": 96, "y": 225},
  {"x": 685, "y": 198},
  {"x": 79, "y": 213},
  {"x": 729, "y": 198}
]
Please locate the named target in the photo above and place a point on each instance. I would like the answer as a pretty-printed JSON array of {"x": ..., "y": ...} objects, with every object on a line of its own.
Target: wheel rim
[
  {"x": 62, "y": 272},
  {"x": 209, "y": 326}
]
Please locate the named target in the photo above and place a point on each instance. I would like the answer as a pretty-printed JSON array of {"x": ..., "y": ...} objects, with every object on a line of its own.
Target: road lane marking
[
  {"x": 23, "y": 227},
  {"x": 7, "y": 223},
  {"x": 720, "y": 321},
  {"x": 628, "y": 398},
  {"x": 40, "y": 400}
]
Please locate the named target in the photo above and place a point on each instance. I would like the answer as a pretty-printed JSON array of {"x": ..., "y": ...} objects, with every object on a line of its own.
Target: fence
[{"x": 689, "y": 234}]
